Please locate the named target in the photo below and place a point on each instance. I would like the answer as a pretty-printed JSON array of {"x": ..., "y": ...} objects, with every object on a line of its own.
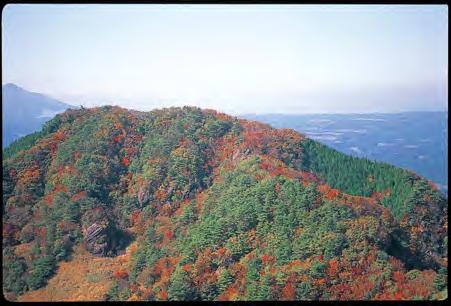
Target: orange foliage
[
  {"x": 333, "y": 267},
  {"x": 59, "y": 135},
  {"x": 200, "y": 199},
  {"x": 266, "y": 259},
  {"x": 289, "y": 292},
  {"x": 321, "y": 281},
  {"x": 230, "y": 294},
  {"x": 118, "y": 125},
  {"x": 161, "y": 194},
  {"x": 332, "y": 194},
  {"x": 220, "y": 251},
  {"x": 187, "y": 267},
  {"x": 79, "y": 195},
  {"x": 179, "y": 210},
  {"x": 166, "y": 210},
  {"x": 324, "y": 188},
  {"x": 29, "y": 175}
]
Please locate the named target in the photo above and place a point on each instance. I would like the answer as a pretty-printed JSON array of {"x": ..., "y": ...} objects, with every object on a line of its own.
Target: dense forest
[{"x": 219, "y": 208}]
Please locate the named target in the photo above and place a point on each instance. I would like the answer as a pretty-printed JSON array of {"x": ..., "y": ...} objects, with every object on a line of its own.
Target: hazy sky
[{"x": 237, "y": 59}]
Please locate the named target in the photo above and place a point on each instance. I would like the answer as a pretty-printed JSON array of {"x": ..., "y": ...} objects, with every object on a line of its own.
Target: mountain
[
  {"x": 190, "y": 204},
  {"x": 25, "y": 112},
  {"x": 414, "y": 140}
]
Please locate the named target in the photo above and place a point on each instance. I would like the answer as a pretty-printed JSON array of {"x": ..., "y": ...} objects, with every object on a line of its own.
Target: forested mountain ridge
[
  {"x": 219, "y": 208},
  {"x": 412, "y": 140}
]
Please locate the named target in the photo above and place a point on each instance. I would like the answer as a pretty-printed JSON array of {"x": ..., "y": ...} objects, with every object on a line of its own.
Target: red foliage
[
  {"x": 168, "y": 234},
  {"x": 48, "y": 199},
  {"x": 148, "y": 293},
  {"x": 225, "y": 148},
  {"x": 398, "y": 276},
  {"x": 125, "y": 161},
  {"x": 60, "y": 188},
  {"x": 164, "y": 295},
  {"x": 134, "y": 217},
  {"x": 405, "y": 288},
  {"x": 77, "y": 155},
  {"x": 53, "y": 148},
  {"x": 120, "y": 274}
]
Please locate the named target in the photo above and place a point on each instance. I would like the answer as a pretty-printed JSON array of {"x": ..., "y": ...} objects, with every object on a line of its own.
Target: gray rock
[
  {"x": 143, "y": 196},
  {"x": 97, "y": 240}
]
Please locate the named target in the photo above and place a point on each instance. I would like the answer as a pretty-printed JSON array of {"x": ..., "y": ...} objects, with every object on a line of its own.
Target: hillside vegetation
[{"x": 218, "y": 209}]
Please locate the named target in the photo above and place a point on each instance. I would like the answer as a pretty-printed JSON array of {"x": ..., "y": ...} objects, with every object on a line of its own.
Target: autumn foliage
[{"x": 219, "y": 208}]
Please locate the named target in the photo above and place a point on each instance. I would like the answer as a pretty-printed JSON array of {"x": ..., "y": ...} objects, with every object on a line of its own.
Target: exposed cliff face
[
  {"x": 98, "y": 241},
  {"x": 104, "y": 239},
  {"x": 222, "y": 209}
]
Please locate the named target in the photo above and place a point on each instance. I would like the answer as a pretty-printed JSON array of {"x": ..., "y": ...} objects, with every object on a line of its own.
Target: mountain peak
[
  {"x": 11, "y": 86},
  {"x": 26, "y": 111}
]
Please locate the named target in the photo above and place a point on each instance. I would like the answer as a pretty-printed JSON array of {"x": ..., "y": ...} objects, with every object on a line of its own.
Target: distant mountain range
[
  {"x": 25, "y": 112},
  {"x": 414, "y": 140}
]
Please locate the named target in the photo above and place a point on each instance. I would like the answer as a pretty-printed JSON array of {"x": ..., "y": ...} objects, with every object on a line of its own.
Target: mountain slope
[
  {"x": 220, "y": 209},
  {"x": 25, "y": 112}
]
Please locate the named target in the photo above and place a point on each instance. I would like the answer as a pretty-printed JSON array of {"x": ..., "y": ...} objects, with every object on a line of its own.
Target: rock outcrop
[
  {"x": 97, "y": 239},
  {"x": 104, "y": 239}
]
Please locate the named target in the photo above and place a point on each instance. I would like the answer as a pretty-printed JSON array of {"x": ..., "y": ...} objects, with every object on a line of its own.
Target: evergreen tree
[{"x": 181, "y": 287}]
